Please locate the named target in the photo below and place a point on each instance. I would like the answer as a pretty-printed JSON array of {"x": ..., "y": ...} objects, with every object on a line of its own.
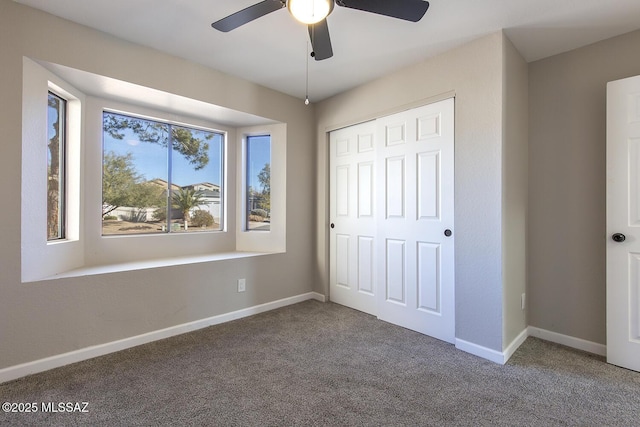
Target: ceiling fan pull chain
[{"x": 306, "y": 97}]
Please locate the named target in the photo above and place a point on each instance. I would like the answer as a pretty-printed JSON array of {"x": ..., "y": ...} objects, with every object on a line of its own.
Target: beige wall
[
  {"x": 42, "y": 319},
  {"x": 474, "y": 73},
  {"x": 565, "y": 252},
  {"x": 567, "y": 185}
]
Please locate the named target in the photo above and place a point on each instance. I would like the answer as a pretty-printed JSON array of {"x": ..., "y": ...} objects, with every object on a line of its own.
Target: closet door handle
[
  {"x": 333, "y": 225},
  {"x": 448, "y": 232},
  {"x": 619, "y": 237}
]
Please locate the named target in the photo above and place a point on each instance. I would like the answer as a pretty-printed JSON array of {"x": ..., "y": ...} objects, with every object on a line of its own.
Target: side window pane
[
  {"x": 135, "y": 177},
  {"x": 196, "y": 170},
  {"x": 56, "y": 130},
  {"x": 258, "y": 192}
]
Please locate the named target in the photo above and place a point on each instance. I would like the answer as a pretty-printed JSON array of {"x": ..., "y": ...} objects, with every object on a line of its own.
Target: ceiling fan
[{"x": 314, "y": 13}]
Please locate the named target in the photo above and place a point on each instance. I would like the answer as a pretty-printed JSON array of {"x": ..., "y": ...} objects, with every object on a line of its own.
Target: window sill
[{"x": 154, "y": 263}]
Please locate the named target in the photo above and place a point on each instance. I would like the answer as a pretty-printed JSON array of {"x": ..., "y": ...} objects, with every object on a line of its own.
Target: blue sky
[
  {"x": 151, "y": 159},
  {"x": 259, "y": 152}
]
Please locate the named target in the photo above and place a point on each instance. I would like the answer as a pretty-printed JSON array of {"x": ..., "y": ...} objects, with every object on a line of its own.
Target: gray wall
[
  {"x": 474, "y": 73},
  {"x": 42, "y": 319},
  {"x": 567, "y": 185}
]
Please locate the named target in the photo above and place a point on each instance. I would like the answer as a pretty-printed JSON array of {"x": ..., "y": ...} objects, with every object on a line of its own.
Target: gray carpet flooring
[{"x": 323, "y": 365}]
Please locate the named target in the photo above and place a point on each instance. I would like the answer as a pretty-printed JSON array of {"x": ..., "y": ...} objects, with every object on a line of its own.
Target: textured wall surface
[
  {"x": 567, "y": 185},
  {"x": 46, "y": 318}
]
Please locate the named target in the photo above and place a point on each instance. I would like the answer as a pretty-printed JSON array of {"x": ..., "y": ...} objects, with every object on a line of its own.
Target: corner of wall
[{"x": 514, "y": 190}]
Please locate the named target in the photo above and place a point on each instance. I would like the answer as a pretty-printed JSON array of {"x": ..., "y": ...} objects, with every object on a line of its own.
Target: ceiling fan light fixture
[{"x": 310, "y": 11}]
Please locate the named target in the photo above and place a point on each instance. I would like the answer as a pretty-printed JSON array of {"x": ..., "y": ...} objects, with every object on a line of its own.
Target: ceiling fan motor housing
[{"x": 310, "y": 11}]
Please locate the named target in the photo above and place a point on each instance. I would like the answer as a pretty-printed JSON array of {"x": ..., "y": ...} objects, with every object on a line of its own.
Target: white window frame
[
  {"x": 42, "y": 257},
  {"x": 85, "y": 251},
  {"x": 273, "y": 240},
  {"x": 115, "y": 249}
]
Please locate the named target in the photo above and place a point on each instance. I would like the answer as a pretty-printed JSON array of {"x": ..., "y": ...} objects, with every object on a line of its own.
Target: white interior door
[
  {"x": 353, "y": 221},
  {"x": 415, "y": 229},
  {"x": 391, "y": 198},
  {"x": 623, "y": 223}
]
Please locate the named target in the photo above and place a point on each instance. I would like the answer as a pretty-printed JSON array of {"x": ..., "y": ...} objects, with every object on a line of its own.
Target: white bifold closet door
[
  {"x": 353, "y": 192},
  {"x": 391, "y": 211}
]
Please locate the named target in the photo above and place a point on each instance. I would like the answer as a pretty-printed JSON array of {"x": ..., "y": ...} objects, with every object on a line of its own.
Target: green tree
[
  {"x": 195, "y": 150},
  {"x": 122, "y": 185},
  {"x": 265, "y": 182},
  {"x": 265, "y": 178},
  {"x": 186, "y": 199}
]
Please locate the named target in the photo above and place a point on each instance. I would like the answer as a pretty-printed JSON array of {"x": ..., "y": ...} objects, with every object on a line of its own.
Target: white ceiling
[{"x": 271, "y": 51}]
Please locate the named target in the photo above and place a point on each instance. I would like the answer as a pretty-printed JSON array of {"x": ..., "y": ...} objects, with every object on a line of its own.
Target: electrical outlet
[
  {"x": 242, "y": 285},
  {"x": 523, "y": 301}
]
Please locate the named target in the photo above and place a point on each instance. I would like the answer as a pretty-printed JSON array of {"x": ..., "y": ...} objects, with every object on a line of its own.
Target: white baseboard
[
  {"x": 318, "y": 297},
  {"x": 480, "y": 351},
  {"x": 493, "y": 355},
  {"x": 531, "y": 331},
  {"x": 515, "y": 344},
  {"x": 577, "y": 343},
  {"x": 18, "y": 371}
]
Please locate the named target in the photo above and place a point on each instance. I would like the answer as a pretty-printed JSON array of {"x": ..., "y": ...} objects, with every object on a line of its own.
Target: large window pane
[
  {"x": 196, "y": 169},
  {"x": 258, "y": 190},
  {"x": 56, "y": 134},
  {"x": 160, "y": 177},
  {"x": 135, "y": 177}
]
